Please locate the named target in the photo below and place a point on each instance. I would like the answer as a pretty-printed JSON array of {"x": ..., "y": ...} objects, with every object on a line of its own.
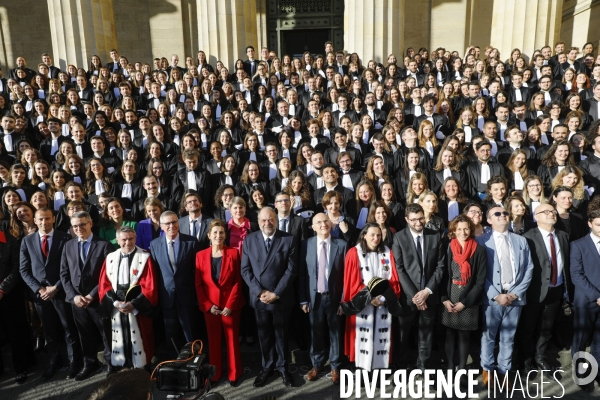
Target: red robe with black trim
[
  {"x": 147, "y": 283},
  {"x": 353, "y": 283}
]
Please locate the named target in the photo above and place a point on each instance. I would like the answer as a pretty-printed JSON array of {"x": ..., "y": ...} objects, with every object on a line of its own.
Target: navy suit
[
  {"x": 274, "y": 271},
  {"x": 202, "y": 232},
  {"x": 323, "y": 308},
  {"x": 585, "y": 276},
  {"x": 81, "y": 279},
  {"x": 177, "y": 290},
  {"x": 38, "y": 271}
]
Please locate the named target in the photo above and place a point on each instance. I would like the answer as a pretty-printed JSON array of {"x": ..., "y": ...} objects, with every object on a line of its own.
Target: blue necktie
[{"x": 268, "y": 244}]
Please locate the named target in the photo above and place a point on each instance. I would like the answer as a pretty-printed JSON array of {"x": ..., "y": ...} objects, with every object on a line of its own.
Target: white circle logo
[{"x": 584, "y": 364}]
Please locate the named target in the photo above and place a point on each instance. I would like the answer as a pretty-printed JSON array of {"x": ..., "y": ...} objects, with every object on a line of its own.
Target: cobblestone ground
[{"x": 60, "y": 388}]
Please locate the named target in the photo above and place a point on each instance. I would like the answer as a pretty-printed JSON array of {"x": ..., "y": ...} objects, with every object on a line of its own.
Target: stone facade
[{"x": 73, "y": 31}]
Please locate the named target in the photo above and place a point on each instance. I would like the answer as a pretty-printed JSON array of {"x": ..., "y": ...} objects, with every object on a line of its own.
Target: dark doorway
[{"x": 296, "y": 42}]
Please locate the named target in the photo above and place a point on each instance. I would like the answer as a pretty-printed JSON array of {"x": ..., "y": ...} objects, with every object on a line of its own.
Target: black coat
[{"x": 471, "y": 293}]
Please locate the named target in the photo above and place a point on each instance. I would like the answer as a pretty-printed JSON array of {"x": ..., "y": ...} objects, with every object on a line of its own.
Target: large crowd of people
[{"x": 265, "y": 201}]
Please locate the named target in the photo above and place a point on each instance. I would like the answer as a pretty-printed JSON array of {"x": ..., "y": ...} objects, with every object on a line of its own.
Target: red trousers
[{"x": 216, "y": 325}]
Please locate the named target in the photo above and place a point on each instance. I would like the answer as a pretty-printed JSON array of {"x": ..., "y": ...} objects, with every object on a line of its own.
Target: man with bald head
[
  {"x": 550, "y": 283},
  {"x": 269, "y": 269},
  {"x": 509, "y": 270},
  {"x": 320, "y": 289}
]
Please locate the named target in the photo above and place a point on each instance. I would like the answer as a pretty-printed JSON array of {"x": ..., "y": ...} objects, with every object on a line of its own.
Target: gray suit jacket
[
  {"x": 523, "y": 267},
  {"x": 184, "y": 227},
  {"x": 309, "y": 270}
]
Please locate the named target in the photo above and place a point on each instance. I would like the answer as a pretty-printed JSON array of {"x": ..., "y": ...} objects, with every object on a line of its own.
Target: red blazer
[{"x": 228, "y": 292}]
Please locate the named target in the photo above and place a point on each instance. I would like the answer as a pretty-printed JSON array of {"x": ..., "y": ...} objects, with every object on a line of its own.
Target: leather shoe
[
  {"x": 111, "y": 370},
  {"x": 51, "y": 370},
  {"x": 21, "y": 378},
  {"x": 262, "y": 377},
  {"x": 335, "y": 376},
  {"x": 288, "y": 379},
  {"x": 73, "y": 370},
  {"x": 40, "y": 344},
  {"x": 588, "y": 388},
  {"x": 86, "y": 372},
  {"x": 313, "y": 374},
  {"x": 485, "y": 377},
  {"x": 234, "y": 383}
]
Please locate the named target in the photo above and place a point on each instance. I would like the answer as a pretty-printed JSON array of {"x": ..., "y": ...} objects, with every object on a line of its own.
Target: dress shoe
[
  {"x": 588, "y": 388},
  {"x": 262, "y": 377},
  {"x": 234, "y": 383},
  {"x": 21, "y": 378},
  {"x": 313, "y": 374},
  {"x": 287, "y": 378},
  {"x": 111, "y": 370},
  {"x": 335, "y": 376},
  {"x": 485, "y": 377},
  {"x": 86, "y": 372},
  {"x": 51, "y": 370},
  {"x": 73, "y": 370},
  {"x": 40, "y": 344}
]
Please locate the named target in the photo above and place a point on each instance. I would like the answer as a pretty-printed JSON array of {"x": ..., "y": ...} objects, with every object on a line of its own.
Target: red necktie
[
  {"x": 45, "y": 250},
  {"x": 554, "y": 271}
]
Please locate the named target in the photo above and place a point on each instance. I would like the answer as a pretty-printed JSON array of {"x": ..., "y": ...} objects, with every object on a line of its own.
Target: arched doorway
[{"x": 296, "y": 26}]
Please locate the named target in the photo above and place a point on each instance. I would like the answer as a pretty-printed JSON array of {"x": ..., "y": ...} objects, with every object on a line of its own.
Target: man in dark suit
[
  {"x": 175, "y": 255},
  {"x": 193, "y": 222},
  {"x": 286, "y": 222},
  {"x": 192, "y": 177},
  {"x": 517, "y": 92},
  {"x": 412, "y": 70},
  {"x": 377, "y": 116},
  {"x": 307, "y": 95},
  {"x": 113, "y": 66},
  {"x": 320, "y": 288},
  {"x": 550, "y": 284},
  {"x": 332, "y": 182},
  {"x": 420, "y": 257},
  {"x": 53, "y": 71},
  {"x": 481, "y": 170},
  {"x": 545, "y": 87},
  {"x": 378, "y": 143},
  {"x": 591, "y": 166},
  {"x": 150, "y": 189},
  {"x": 269, "y": 268},
  {"x": 9, "y": 136},
  {"x": 585, "y": 275},
  {"x": 343, "y": 110},
  {"x": 40, "y": 268},
  {"x": 82, "y": 259},
  {"x": 340, "y": 138},
  {"x": 21, "y": 63},
  {"x": 49, "y": 146},
  {"x": 350, "y": 177},
  {"x": 440, "y": 122},
  {"x": 250, "y": 64},
  {"x": 592, "y": 105}
]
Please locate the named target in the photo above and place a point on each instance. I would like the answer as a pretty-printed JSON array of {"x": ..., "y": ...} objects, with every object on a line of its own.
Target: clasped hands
[
  {"x": 454, "y": 308},
  {"x": 47, "y": 292},
  {"x": 267, "y": 297},
  {"x": 125, "y": 308},
  {"x": 420, "y": 299},
  {"x": 506, "y": 299},
  {"x": 215, "y": 310},
  {"x": 83, "y": 301}
]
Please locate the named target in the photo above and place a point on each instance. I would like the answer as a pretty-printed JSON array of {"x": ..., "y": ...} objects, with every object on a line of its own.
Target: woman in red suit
[{"x": 219, "y": 290}]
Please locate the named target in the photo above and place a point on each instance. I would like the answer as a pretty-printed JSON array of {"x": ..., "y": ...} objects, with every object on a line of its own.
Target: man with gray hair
[
  {"x": 81, "y": 262},
  {"x": 127, "y": 287},
  {"x": 269, "y": 269}
]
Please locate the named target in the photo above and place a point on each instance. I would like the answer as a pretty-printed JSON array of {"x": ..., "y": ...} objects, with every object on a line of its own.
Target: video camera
[{"x": 188, "y": 373}]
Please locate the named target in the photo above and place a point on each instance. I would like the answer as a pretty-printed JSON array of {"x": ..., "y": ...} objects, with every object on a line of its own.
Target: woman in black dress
[
  {"x": 380, "y": 214},
  {"x": 461, "y": 288}
]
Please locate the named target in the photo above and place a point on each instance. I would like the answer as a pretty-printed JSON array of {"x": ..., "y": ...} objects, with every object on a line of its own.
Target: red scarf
[{"x": 462, "y": 257}]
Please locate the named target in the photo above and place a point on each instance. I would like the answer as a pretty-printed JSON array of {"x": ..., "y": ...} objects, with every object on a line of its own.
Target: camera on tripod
[{"x": 188, "y": 373}]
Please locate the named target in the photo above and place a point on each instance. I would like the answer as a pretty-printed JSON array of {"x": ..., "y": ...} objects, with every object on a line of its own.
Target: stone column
[
  {"x": 374, "y": 28},
  {"x": 226, "y": 27},
  {"x": 167, "y": 29},
  {"x": 80, "y": 29},
  {"x": 526, "y": 25},
  {"x": 449, "y": 25}
]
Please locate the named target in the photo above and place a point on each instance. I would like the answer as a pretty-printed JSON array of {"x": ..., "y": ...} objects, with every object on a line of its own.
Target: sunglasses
[{"x": 500, "y": 214}]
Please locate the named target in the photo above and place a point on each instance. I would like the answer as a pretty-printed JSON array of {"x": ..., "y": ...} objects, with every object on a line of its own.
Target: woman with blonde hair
[
  {"x": 572, "y": 177},
  {"x": 416, "y": 187},
  {"x": 429, "y": 201},
  {"x": 427, "y": 139}
]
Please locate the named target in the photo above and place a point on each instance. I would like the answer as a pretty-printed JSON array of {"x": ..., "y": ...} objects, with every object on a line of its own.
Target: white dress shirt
[{"x": 559, "y": 259}]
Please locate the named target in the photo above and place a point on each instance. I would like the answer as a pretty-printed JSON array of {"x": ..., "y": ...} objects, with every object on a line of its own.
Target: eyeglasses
[
  {"x": 475, "y": 212},
  {"x": 414, "y": 220},
  {"x": 547, "y": 213},
  {"x": 169, "y": 223},
  {"x": 282, "y": 201},
  {"x": 80, "y": 226},
  {"x": 500, "y": 214}
]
